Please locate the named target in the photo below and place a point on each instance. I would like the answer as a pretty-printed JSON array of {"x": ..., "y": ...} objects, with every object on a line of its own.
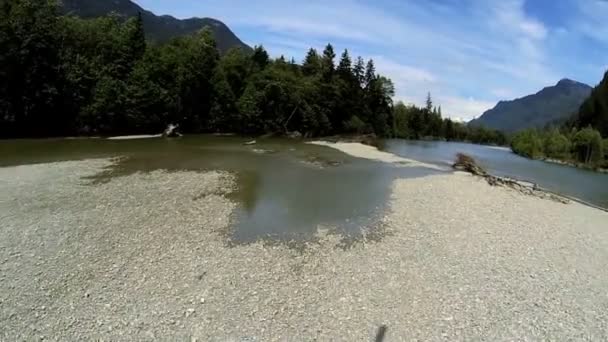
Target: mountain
[
  {"x": 594, "y": 111},
  {"x": 550, "y": 105},
  {"x": 158, "y": 28}
]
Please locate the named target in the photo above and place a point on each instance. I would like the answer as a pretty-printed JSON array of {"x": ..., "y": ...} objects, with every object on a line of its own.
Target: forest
[
  {"x": 577, "y": 141},
  {"x": 65, "y": 76}
]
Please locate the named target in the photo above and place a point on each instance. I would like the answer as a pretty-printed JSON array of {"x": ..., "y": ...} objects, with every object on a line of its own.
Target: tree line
[
  {"x": 578, "y": 140},
  {"x": 413, "y": 122},
  {"x": 63, "y": 75},
  {"x": 577, "y": 146}
]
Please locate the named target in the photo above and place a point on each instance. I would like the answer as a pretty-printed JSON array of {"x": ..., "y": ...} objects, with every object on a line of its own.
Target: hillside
[
  {"x": 552, "y": 104},
  {"x": 158, "y": 28},
  {"x": 594, "y": 111}
]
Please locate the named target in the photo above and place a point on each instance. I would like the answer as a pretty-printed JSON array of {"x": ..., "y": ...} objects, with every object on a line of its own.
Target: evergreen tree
[
  {"x": 327, "y": 62},
  {"x": 137, "y": 38},
  {"x": 344, "y": 69},
  {"x": 260, "y": 57},
  {"x": 594, "y": 111},
  {"x": 312, "y": 63},
  {"x": 429, "y": 103},
  {"x": 370, "y": 73},
  {"x": 359, "y": 71}
]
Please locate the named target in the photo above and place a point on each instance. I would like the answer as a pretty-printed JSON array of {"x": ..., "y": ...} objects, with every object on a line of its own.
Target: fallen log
[{"x": 469, "y": 164}]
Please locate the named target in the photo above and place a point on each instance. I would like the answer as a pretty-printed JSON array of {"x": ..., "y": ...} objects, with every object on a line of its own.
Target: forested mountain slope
[
  {"x": 552, "y": 104},
  {"x": 158, "y": 28}
]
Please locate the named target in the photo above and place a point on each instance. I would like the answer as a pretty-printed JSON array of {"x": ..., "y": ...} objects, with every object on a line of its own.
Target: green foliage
[
  {"x": 556, "y": 145},
  {"x": 584, "y": 146},
  {"x": 159, "y": 29},
  {"x": 29, "y": 58},
  {"x": 594, "y": 111},
  {"x": 412, "y": 122},
  {"x": 355, "y": 125},
  {"x": 528, "y": 143},
  {"x": 588, "y": 147}
]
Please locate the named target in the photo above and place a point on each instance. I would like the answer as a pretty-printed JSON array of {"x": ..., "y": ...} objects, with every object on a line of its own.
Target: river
[
  {"x": 286, "y": 189},
  {"x": 580, "y": 183}
]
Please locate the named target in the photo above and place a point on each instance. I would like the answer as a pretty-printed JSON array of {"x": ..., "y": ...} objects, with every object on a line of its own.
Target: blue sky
[{"x": 468, "y": 53}]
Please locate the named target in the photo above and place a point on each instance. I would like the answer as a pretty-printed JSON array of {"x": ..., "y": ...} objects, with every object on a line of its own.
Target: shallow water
[
  {"x": 584, "y": 184},
  {"x": 286, "y": 189}
]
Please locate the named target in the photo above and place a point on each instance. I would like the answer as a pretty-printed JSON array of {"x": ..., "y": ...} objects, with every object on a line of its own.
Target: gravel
[{"x": 145, "y": 257}]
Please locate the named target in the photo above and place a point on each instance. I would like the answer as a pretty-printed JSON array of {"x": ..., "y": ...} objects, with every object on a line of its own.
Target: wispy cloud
[{"x": 593, "y": 19}]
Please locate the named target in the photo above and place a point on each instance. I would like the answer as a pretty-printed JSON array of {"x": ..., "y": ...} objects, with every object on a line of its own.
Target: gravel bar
[{"x": 145, "y": 257}]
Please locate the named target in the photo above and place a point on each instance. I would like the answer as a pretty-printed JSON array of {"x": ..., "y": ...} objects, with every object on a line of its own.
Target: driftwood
[
  {"x": 468, "y": 164},
  {"x": 172, "y": 132}
]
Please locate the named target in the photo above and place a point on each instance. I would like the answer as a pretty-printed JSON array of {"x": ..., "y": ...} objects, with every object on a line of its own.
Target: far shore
[{"x": 573, "y": 164}]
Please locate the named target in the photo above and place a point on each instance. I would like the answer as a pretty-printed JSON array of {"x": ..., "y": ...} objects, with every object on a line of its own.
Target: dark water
[
  {"x": 285, "y": 188},
  {"x": 584, "y": 184}
]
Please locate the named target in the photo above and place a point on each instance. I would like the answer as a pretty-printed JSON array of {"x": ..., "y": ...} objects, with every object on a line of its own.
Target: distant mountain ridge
[
  {"x": 158, "y": 28},
  {"x": 550, "y": 105}
]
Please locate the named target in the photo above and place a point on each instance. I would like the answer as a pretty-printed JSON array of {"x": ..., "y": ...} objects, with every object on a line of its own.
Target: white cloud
[
  {"x": 465, "y": 108},
  {"x": 405, "y": 73},
  {"x": 509, "y": 16}
]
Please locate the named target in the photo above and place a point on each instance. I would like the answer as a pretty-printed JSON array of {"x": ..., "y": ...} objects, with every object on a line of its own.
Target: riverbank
[
  {"x": 573, "y": 164},
  {"x": 145, "y": 256},
  {"x": 135, "y": 137}
]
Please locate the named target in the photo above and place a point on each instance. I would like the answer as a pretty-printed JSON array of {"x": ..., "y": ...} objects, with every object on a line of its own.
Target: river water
[
  {"x": 286, "y": 189},
  {"x": 584, "y": 184}
]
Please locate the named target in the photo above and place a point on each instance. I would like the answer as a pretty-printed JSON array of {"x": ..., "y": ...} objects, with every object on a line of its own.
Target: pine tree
[
  {"x": 327, "y": 61},
  {"x": 370, "y": 73},
  {"x": 345, "y": 66},
  {"x": 359, "y": 71},
  {"x": 260, "y": 57},
  {"x": 429, "y": 103},
  {"x": 594, "y": 111},
  {"x": 137, "y": 38},
  {"x": 312, "y": 64}
]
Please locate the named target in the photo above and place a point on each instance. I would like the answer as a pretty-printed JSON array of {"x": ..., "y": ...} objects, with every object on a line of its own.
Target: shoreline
[
  {"x": 572, "y": 164},
  {"x": 360, "y": 150},
  {"x": 135, "y": 137}
]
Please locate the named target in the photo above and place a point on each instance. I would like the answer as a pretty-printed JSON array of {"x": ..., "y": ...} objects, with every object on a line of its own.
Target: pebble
[{"x": 425, "y": 276}]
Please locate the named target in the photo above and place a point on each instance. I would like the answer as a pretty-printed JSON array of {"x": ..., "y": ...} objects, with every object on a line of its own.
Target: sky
[{"x": 469, "y": 54}]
